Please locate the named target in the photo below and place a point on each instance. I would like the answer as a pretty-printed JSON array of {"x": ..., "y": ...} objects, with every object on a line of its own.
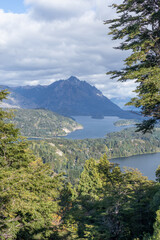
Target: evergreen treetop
[
  {"x": 138, "y": 24},
  {"x": 32, "y": 201}
]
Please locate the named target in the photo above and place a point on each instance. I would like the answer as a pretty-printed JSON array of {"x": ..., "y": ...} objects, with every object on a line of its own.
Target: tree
[
  {"x": 155, "y": 205},
  {"x": 138, "y": 24},
  {"x": 33, "y": 199},
  {"x": 112, "y": 204}
]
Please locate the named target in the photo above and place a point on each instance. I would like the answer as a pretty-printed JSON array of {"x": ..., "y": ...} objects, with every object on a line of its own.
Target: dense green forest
[
  {"x": 41, "y": 123},
  {"x": 126, "y": 122},
  {"x": 70, "y": 155},
  {"x": 36, "y": 202}
]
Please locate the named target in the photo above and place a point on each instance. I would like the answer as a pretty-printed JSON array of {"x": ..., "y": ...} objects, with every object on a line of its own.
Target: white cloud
[
  {"x": 57, "y": 9},
  {"x": 112, "y": 88},
  {"x": 58, "y": 38}
]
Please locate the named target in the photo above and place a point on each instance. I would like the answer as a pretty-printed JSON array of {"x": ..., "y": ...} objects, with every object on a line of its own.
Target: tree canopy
[
  {"x": 32, "y": 197},
  {"x": 112, "y": 204},
  {"x": 138, "y": 24},
  {"x": 37, "y": 203}
]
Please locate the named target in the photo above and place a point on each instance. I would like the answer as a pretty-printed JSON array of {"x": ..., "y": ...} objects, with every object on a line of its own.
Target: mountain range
[{"x": 70, "y": 97}]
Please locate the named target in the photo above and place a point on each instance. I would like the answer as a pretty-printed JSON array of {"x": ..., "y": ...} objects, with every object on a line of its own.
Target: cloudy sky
[{"x": 46, "y": 40}]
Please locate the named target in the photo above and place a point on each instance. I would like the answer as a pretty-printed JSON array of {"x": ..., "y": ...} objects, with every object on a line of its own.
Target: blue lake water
[
  {"x": 94, "y": 128},
  {"x": 98, "y": 128},
  {"x": 146, "y": 163}
]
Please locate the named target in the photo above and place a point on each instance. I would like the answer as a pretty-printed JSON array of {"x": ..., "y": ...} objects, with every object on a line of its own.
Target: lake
[
  {"x": 94, "y": 128},
  {"x": 98, "y": 128},
  {"x": 146, "y": 163}
]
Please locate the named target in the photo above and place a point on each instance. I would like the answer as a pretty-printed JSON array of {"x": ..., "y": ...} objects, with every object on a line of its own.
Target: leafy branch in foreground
[{"x": 138, "y": 24}]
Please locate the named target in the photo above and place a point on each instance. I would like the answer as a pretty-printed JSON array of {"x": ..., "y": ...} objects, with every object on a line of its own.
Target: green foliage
[
  {"x": 138, "y": 25},
  {"x": 13, "y": 148},
  {"x": 155, "y": 204},
  {"x": 125, "y": 122},
  {"x": 112, "y": 204},
  {"x": 37, "y": 203},
  {"x": 69, "y": 156},
  {"x": 33, "y": 198},
  {"x": 29, "y": 202},
  {"x": 40, "y": 123}
]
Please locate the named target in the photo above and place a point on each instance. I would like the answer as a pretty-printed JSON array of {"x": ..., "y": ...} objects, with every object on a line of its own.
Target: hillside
[
  {"x": 40, "y": 123},
  {"x": 38, "y": 203},
  {"x": 70, "y": 97},
  {"x": 70, "y": 155},
  {"x": 125, "y": 122}
]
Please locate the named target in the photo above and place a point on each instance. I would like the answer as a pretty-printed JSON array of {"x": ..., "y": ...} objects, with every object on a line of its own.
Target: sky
[{"x": 43, "y": 41}]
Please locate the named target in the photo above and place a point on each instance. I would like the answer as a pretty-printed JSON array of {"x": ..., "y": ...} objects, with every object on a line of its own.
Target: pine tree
[
  {"x": 32, "y": 201},
  {"x": 112, "y": 204},
  {"x": 138, "y": 24}
]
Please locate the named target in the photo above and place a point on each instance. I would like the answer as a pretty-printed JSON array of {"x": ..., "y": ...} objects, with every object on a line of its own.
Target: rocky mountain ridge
[{"x": 70, "y": 97}]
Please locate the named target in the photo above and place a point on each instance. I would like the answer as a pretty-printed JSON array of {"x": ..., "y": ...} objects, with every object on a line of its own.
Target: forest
[
  {"x": 69, "y": 156},
  {"x": 39, "y": 201},
  {"x": 42, "y": 123}
]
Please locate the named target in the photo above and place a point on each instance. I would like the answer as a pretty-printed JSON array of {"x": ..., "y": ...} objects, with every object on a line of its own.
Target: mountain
[
  {"x": 16, "y": 100},
  {"x": 70, "y": 97}
]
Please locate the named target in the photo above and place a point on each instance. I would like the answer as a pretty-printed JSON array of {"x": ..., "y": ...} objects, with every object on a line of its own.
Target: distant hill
[
  {"x": 39, "y": 123},
  {"x": 70, "y": 97},
  {"x": 121, "y": 101},
  {"x": 69, "y": 156}
]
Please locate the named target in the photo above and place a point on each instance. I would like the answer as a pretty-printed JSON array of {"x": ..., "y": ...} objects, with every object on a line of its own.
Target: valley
[
  {"x": 80, "y": 120},
  {"x": 78, "y": 166},
  {"x": 69, "y": 156},
  {"x": 66, "y": 143}
]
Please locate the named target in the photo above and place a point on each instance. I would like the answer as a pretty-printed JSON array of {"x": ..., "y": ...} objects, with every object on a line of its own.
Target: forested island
[{"x": 126, "y": 122}]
